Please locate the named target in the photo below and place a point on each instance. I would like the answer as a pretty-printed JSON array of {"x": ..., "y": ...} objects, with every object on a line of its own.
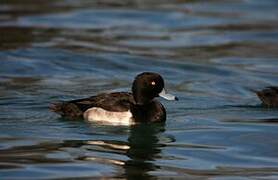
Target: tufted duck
[
  {"x": 269, "y": 96},
  {"x": 121, "y": 108}
]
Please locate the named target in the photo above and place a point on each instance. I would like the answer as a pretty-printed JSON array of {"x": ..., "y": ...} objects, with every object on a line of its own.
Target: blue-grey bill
[{"x": 167, "y": 96}]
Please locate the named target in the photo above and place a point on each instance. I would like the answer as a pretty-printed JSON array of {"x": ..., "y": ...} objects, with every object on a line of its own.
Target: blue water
[{"x": 212, "y": 54}]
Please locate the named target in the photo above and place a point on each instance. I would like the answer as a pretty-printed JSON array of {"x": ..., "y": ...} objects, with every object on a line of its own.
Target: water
[{"x": 211, "y": 54}]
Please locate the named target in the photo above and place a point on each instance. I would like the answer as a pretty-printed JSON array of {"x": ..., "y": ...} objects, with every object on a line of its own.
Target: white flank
[{"x": 107, "y": 117}]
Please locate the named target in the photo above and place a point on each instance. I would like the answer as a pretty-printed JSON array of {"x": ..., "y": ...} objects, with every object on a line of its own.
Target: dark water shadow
[{"x": 270, "y": 121}]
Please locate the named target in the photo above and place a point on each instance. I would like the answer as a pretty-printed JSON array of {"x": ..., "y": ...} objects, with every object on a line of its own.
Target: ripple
[{"x": 213, "y": 55}]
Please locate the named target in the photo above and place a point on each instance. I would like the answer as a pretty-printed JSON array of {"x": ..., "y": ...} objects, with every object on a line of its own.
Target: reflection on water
[
  {"x": 140, "y": 149},
  {"x": 212, "y": 54},
  {"x": 144, "y": 148}
]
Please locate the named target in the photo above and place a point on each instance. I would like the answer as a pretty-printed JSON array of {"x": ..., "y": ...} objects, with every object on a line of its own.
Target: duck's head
[{"x": 148, "y": 85}]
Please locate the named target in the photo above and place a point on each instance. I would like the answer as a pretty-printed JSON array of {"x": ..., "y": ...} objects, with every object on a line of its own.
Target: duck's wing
[
  {"x": 117, "y": 102},
  {"x": 269, "y": 96}
]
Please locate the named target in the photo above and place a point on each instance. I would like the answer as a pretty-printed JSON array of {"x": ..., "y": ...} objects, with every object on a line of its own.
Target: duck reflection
[
  {"x": 144, "y": 147},
  {"x": 136, "y": 156}
]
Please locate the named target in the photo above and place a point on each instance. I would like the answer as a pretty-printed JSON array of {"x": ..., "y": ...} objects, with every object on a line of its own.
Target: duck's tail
[
  {"x": 66, "y": 109},
  {"x": 57, "y": 108}
]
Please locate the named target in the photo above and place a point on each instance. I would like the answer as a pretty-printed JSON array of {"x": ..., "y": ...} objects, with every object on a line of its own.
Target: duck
[
  {"x": 269, "y": 96},
  {"x": 121, "y": 108}
]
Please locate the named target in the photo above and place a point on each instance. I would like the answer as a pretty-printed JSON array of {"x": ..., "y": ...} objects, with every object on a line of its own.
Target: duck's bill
[{"x": 167, "y": 96}]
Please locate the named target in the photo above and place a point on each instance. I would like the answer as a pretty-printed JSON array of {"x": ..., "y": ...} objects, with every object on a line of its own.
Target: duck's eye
[{"x": 153, "y": 83}]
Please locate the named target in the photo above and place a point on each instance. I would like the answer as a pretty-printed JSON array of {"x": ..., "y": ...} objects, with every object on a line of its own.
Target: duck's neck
[{"x": 142, "y": 112}]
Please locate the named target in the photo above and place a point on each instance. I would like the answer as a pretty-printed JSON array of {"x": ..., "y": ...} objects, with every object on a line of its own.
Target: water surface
[{"x": 212, "y": 54}]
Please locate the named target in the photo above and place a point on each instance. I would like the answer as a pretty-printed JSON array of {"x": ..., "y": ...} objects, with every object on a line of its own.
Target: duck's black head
[{"x": 148, "y": 85}]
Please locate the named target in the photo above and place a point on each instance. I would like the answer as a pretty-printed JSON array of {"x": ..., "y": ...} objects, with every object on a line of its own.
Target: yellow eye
[{"x": 153, "y": 83}]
